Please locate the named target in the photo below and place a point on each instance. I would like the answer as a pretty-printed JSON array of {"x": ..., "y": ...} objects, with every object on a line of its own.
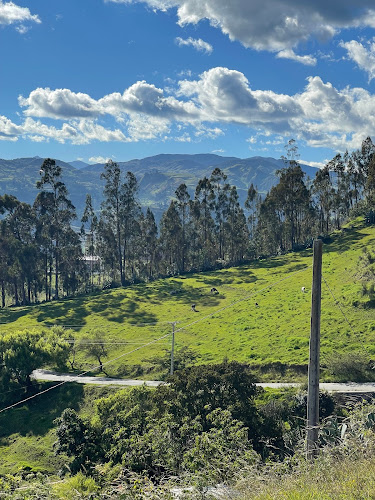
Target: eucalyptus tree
[
  {"x": 204, "y": 198},
  {"x": 292, "y": 196},
  {"x": 323, "y": 192},
  {"x": 120, "y": 216},
  {"x": 149, "y": 243},
  {"x": 170, "y": 239},
  {"x": 89, "y": 228},
  {"x": 220, "y": 206},
  {"x": 131, "y": 213},
  {"x": 269, "y": 228},
  {"x": 370, "y": 182},
  {"x": 237, "y": 230},
  {"x": 250, "y": 205},
  {"x": 183, "y": 208},
  {"x": 55, "y": 213},
  {"x": 359, "y": 166},
  {"x": 340, "y": 202},
  {"x": 111, "y": 225}
]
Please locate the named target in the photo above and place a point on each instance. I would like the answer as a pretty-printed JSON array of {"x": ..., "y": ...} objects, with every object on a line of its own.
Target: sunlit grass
[{"x": 277, "y": 330}]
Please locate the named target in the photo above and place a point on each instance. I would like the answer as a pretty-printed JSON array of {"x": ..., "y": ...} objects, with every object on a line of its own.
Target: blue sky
[{"x": 123, "y": 79}]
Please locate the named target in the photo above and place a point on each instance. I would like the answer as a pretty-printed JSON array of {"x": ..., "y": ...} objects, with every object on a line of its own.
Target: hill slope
[{"x": 228, "y": 324}]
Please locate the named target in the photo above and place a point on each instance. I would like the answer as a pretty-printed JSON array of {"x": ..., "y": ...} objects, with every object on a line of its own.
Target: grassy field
[
  {"x": 27, "y": 433},
  {"x": 230, "y": 324}
]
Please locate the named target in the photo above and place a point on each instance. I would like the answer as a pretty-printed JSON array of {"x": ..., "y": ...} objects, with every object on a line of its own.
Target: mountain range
[{"x": 158, "y": 176}]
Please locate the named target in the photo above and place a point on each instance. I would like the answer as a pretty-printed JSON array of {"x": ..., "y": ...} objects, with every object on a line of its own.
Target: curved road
[{"x": 349, "y": 387}]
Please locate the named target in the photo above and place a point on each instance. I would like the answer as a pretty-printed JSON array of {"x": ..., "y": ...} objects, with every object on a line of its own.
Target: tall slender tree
[{"x": 55, "y": 212}]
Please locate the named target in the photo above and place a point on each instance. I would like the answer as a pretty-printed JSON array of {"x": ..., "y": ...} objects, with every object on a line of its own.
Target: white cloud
[
  {"x": 98, "y": 159},
  {"x": 10, "y": 13},
  {"x": 208, "y": 132},
  {"x": 317, "y": 164},
  {"x": 273, "y": 25},
  {"x": 290, "y": 54},
  {"x": 201, "y": 107},
  {"x": 183, "y": 138},
  {"x": 224, "y": 95},
  {"x": 36, "y": 138},
  {"x": 364, "y": 57},
  {"x": 145, "y": 128},
  {"x": 9, "y": 130},
  {"x": 59, "y": 103},
  {"x": 197, "y": 44}
]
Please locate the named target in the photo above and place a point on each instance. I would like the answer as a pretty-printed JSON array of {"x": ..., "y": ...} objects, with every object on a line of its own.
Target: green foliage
[
  {"x": 202, "y": 416},
  {"x": 27, "y": 432},
  {"x": 22, "y": 352},
  {"x": 152, "y": 431},
  {"x": 351, "y": 366},
  {"x": 78, "y": 487},
  {"x": 222, "y": 450}
]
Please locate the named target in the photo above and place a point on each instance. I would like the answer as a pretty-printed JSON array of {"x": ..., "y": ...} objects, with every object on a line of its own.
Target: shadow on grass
[
  {"x": 343, "y": 241},
  {"x": 11, "y": 314},
  {"x": 227, "y": 277},
  {"x": 36, "y": 417},
  {"x": 120, "y": 308},
  {"x": 69, "y": 311},
  {"x": 179, "y": 291}
]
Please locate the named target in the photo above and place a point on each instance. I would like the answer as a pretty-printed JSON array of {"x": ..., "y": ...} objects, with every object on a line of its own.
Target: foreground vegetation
[{"x": 183, "y": 441}]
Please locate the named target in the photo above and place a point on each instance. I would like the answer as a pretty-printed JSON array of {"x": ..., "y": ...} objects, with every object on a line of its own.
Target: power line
[
  {"x": 84, "y": 373},
  {"x": 79, "y": 343},
  {"x": 162, "y": 337}
]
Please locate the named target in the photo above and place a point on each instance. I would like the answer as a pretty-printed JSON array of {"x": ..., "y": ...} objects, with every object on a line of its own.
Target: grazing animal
[
  {"x": 193, "y": 308},
  {"x": 214, "y": 290},
  {"x": 256, "y": 304},
  {"x": 303, "y": 289}
]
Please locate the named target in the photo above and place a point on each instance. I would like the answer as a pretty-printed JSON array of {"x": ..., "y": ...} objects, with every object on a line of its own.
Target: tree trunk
[
  {"x": 16, "y": 293},
  {"x": 2, "y": 294},
  {"x": 57, "y": 269}
]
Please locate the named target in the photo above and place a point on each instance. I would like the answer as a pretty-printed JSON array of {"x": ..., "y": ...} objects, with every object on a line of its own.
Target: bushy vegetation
[
  {"x": 151, "y": 444},
  {"x": 208, "y": 421},
  {"x": 23, "y": 351}
]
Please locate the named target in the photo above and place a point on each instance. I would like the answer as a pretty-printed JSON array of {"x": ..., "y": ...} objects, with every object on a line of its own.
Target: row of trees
[{"x": 42, "y": 256}]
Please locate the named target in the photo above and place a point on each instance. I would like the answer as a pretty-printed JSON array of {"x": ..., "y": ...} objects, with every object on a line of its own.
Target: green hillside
[
  {"x": 228, "y": 324},
  {"x": 27, "y": 433}
]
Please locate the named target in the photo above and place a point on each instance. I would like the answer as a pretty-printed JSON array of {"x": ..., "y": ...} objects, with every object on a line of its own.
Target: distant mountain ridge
[{"x": 158, "y": 176}]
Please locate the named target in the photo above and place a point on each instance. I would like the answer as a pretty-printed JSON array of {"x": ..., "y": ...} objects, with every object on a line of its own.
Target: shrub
[{"x": 353, "y": 367}]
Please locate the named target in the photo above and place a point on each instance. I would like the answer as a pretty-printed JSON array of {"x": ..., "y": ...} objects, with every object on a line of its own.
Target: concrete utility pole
[
  {"x": 313, "y": 388},
  {"x": 172, "y": 348}
]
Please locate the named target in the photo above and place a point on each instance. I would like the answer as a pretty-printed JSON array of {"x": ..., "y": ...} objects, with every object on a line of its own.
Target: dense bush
[{"x": 204, "y": 414}]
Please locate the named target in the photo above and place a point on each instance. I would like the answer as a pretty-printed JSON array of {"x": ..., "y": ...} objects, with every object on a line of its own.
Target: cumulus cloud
[
  {"x": 201, "y": 107},
  {"x": 140, "y": 97},
  {"x": 290, "y": 54},
  {"x": 59, "y": 103},
  {"x": 224, "y": 95},
  {"x": 363, "y": 56},
  {"x": 197, "y": 44},
  {"x": 9, "y": 130},
  {"x": 10, "y": 13},
  {"x": 273, "y": 25}
]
